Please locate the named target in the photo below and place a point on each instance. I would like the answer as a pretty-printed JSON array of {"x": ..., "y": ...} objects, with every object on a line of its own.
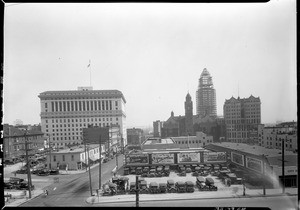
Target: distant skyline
[{"x": 153, "y": 53}]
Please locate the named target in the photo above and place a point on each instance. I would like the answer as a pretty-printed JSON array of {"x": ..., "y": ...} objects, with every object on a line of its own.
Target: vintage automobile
[
  {"x": 188, "y": 170},
  {"x": 126, "y": 171},
  {"x": 200, "y": 182},
  {"x": 210, "y": 183},
  {"x": 180, "y": 187},
  {"x": 109, "y": 188},
  {"x": 8, "y": 185},
  {"x": 190, "y": 186},
  {"x": 171, "y": 186},
  {"x": 132, "y": 170},
  {"x": 195, "y": 173},
  {"x": 139, "y": 170},
  {"x": 194, "y": 167},
  {"x": 162, "y": 187},
  {"x": 159, "y": 172},
  {"x": 152, "y": 173},
  {"x": 132, "y": 188},
  {"x": 143, "y": 189},
  {"x": 182, "y": 173},
  {"x": 54, "y": 172},
  {"x": 166, "y": 171},
  {"x": 153, "y": 187},
  {"x": 23, "y": 170},
  {"x": 43, "y": 172},
  {"x": 232, "y": 178},
  {"x": 15, "y": 182},
  {"x": 146, "y": 169},
  {"x": 122, "y": 184},
  {"x": 24, "y": 186}
]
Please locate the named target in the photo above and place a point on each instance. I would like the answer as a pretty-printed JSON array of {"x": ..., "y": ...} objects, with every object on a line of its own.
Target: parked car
[
  {"x": 8, "y": 185},
  {"x": 24, "y": 186},
  {"x": 162, "y": 187},
  {"x": 180, "y": 187},
  {"x": 126, "y": 171},
  {"x": 132, "y": 187},
  {"x": 190, "y": 186},
  {"x": 210, "y": 183},
  {"x": 139, "y": 170},
  {"x": 171, "y": 186},
  {"x": 143, "y": 187},
  {"x": 43, "y": 172},
  {"x": 54, "y": 172},
  {"x": 153, "y": 188},
  {"x": 200, "y": 182}
]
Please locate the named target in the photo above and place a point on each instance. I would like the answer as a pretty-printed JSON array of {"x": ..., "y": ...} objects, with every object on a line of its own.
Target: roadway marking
[{"x": 54, "y": 188}]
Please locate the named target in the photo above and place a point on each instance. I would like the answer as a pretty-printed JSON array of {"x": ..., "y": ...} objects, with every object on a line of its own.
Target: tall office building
[
  {"x": 206, "y": 95},
  {"x": 188, "y": 106},
  {"x": 242, "y": 117},
  {"x": 65, "y": 113}
]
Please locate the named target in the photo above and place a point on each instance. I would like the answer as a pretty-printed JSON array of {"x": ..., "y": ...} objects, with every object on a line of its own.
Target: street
[
  {"x": 274, "y": 203},
  {"x": 72, "y": 190}
]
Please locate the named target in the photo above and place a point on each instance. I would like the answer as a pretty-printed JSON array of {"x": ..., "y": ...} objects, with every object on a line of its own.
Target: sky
[{"x": 153, "y": 53}]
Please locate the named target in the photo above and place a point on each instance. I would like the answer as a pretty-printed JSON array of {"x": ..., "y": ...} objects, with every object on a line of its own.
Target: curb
[{"x": 200, "y": 198}]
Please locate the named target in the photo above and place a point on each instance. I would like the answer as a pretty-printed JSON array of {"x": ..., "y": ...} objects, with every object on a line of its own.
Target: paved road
[
  {"x": 72, "y": 190},
  {"x": 274, "y": 203}
]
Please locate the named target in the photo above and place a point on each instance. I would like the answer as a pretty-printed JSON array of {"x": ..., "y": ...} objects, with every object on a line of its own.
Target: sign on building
[
  {"x": 213, "y": 157},
  {"x": 95, "y": 134},
  {"x": 237, "y": 158},
  {"x": 136, "y": 159},
  {"x": 162, "y": 158},
  {"x": 192, "y": 157},
  {"x": 254, "y": 164}
]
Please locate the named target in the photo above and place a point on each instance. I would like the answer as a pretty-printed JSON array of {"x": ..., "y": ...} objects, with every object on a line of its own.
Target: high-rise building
[
  {"x": 242, "y": 117},
  {"x": 188, "y": 106},
  {"x": 206, "y": 95},
  {"x": 65, "y": 113},
  {"x": 157, "y": 126}
]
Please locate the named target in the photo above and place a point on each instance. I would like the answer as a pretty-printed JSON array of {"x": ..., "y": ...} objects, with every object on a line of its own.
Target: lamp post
[
  {"x": 264, "y": 176},
  {"x": 282, "y": 152}
]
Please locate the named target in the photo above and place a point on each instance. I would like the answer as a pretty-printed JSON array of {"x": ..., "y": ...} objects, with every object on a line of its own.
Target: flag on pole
[{"x": 89, "y": 64}]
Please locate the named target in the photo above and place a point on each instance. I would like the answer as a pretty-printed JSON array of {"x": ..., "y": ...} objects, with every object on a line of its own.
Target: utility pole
[
  {"x": 88, "y": 153},
  {"x": 100, "y": 148},
  {"x": 137, "y": 191},
  {"x": 49, "y": 151},
  {"x": 264, "y": 176},
  {"x": 28, "y": 166},
  {"x": 282, "y": 152}
]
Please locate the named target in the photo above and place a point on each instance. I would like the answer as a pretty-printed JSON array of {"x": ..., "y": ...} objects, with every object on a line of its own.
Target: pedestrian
[{"x": 46, "y": 192}]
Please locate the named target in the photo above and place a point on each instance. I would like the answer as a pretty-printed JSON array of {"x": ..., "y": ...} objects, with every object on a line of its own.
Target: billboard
[
  {"x": 237, "y": 158},
  {"x": 214, "y": 157},
  {"x": 92, "y": 135},
  {"x": 136, "y": 159},
  {"x": 191, "y": 157},
  {"x": 162, "y": 158},
  {"x": 254, "y": 164}
]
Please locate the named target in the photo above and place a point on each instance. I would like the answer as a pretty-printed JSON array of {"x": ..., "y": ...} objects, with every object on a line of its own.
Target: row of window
[
  {"x": 80, "y": 120},
  {"x": 192, "y": 142},
  {"x": 66, "y": 106}
]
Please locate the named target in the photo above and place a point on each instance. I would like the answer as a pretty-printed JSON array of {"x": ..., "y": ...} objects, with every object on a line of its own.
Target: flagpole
[{"x": 90, "y": 74}]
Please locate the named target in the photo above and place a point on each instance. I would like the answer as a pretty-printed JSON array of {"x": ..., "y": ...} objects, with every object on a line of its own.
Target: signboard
[
  {"x": 137, "y": 159},
  {"x": 162, "y": 158},
  {"x": 213, "y": 157},
  {"x": 93, "y": 135},
  {"x": 254, "y": 164},
  {"x": 192, "y": 157},
  {"x": 237, "y": 158}
]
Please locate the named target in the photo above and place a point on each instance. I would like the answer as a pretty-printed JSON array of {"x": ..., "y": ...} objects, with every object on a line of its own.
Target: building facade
[
  {"x": 242, "y": 117},
  {"x": 272, "y": 137},
  {"x": 74, "y": 158},
  {"x": 65, "y": 113},
  {"x": 157, "y": 126},
  {"x": 206, "y": 95},
  {"x": 134, "y": 136},
  {"x": 14, "y": 142},
  {"x": 188, "y": 107}
]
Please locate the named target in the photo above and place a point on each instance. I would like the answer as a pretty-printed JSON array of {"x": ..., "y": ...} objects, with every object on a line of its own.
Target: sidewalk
[
  {"x": 19, "y": 197},
  {"x": 232, "y": 192}
]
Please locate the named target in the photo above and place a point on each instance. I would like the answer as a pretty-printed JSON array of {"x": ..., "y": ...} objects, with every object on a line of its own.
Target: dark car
[
  {"x": 190, "y": 186},
  {"x": 143, "y": 187},
  {"x": 21, "y": 171},
  {"x": 210, "y": 183},
  {"x": 162, "y": 187},
  {"x": 126, "y": 171},
  {"x": 24, "y": 186},
  {"x": 153, "y": 187},
  {"x": 171, "y": 186},
  {"x": 146, "y": 169},
  {"x": 139, "y": 170},
  {"x": 54, "y": 172},
  {"x": 132, "y": 187},
  {"x": 180, "y": 187},
  {"x": 8, "y": 185},
  {"x": 200, "y": 182},
  {"x": 44, "y": 172}
]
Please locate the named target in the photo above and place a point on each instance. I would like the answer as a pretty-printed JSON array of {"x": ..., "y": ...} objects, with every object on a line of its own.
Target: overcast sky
[{"x": 153, "y": 53}]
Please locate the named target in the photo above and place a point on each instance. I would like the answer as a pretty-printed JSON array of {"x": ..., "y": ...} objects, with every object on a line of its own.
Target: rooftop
[
  {"x": 78, "y": 149},
  {"x": 158, "y": 141}
]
